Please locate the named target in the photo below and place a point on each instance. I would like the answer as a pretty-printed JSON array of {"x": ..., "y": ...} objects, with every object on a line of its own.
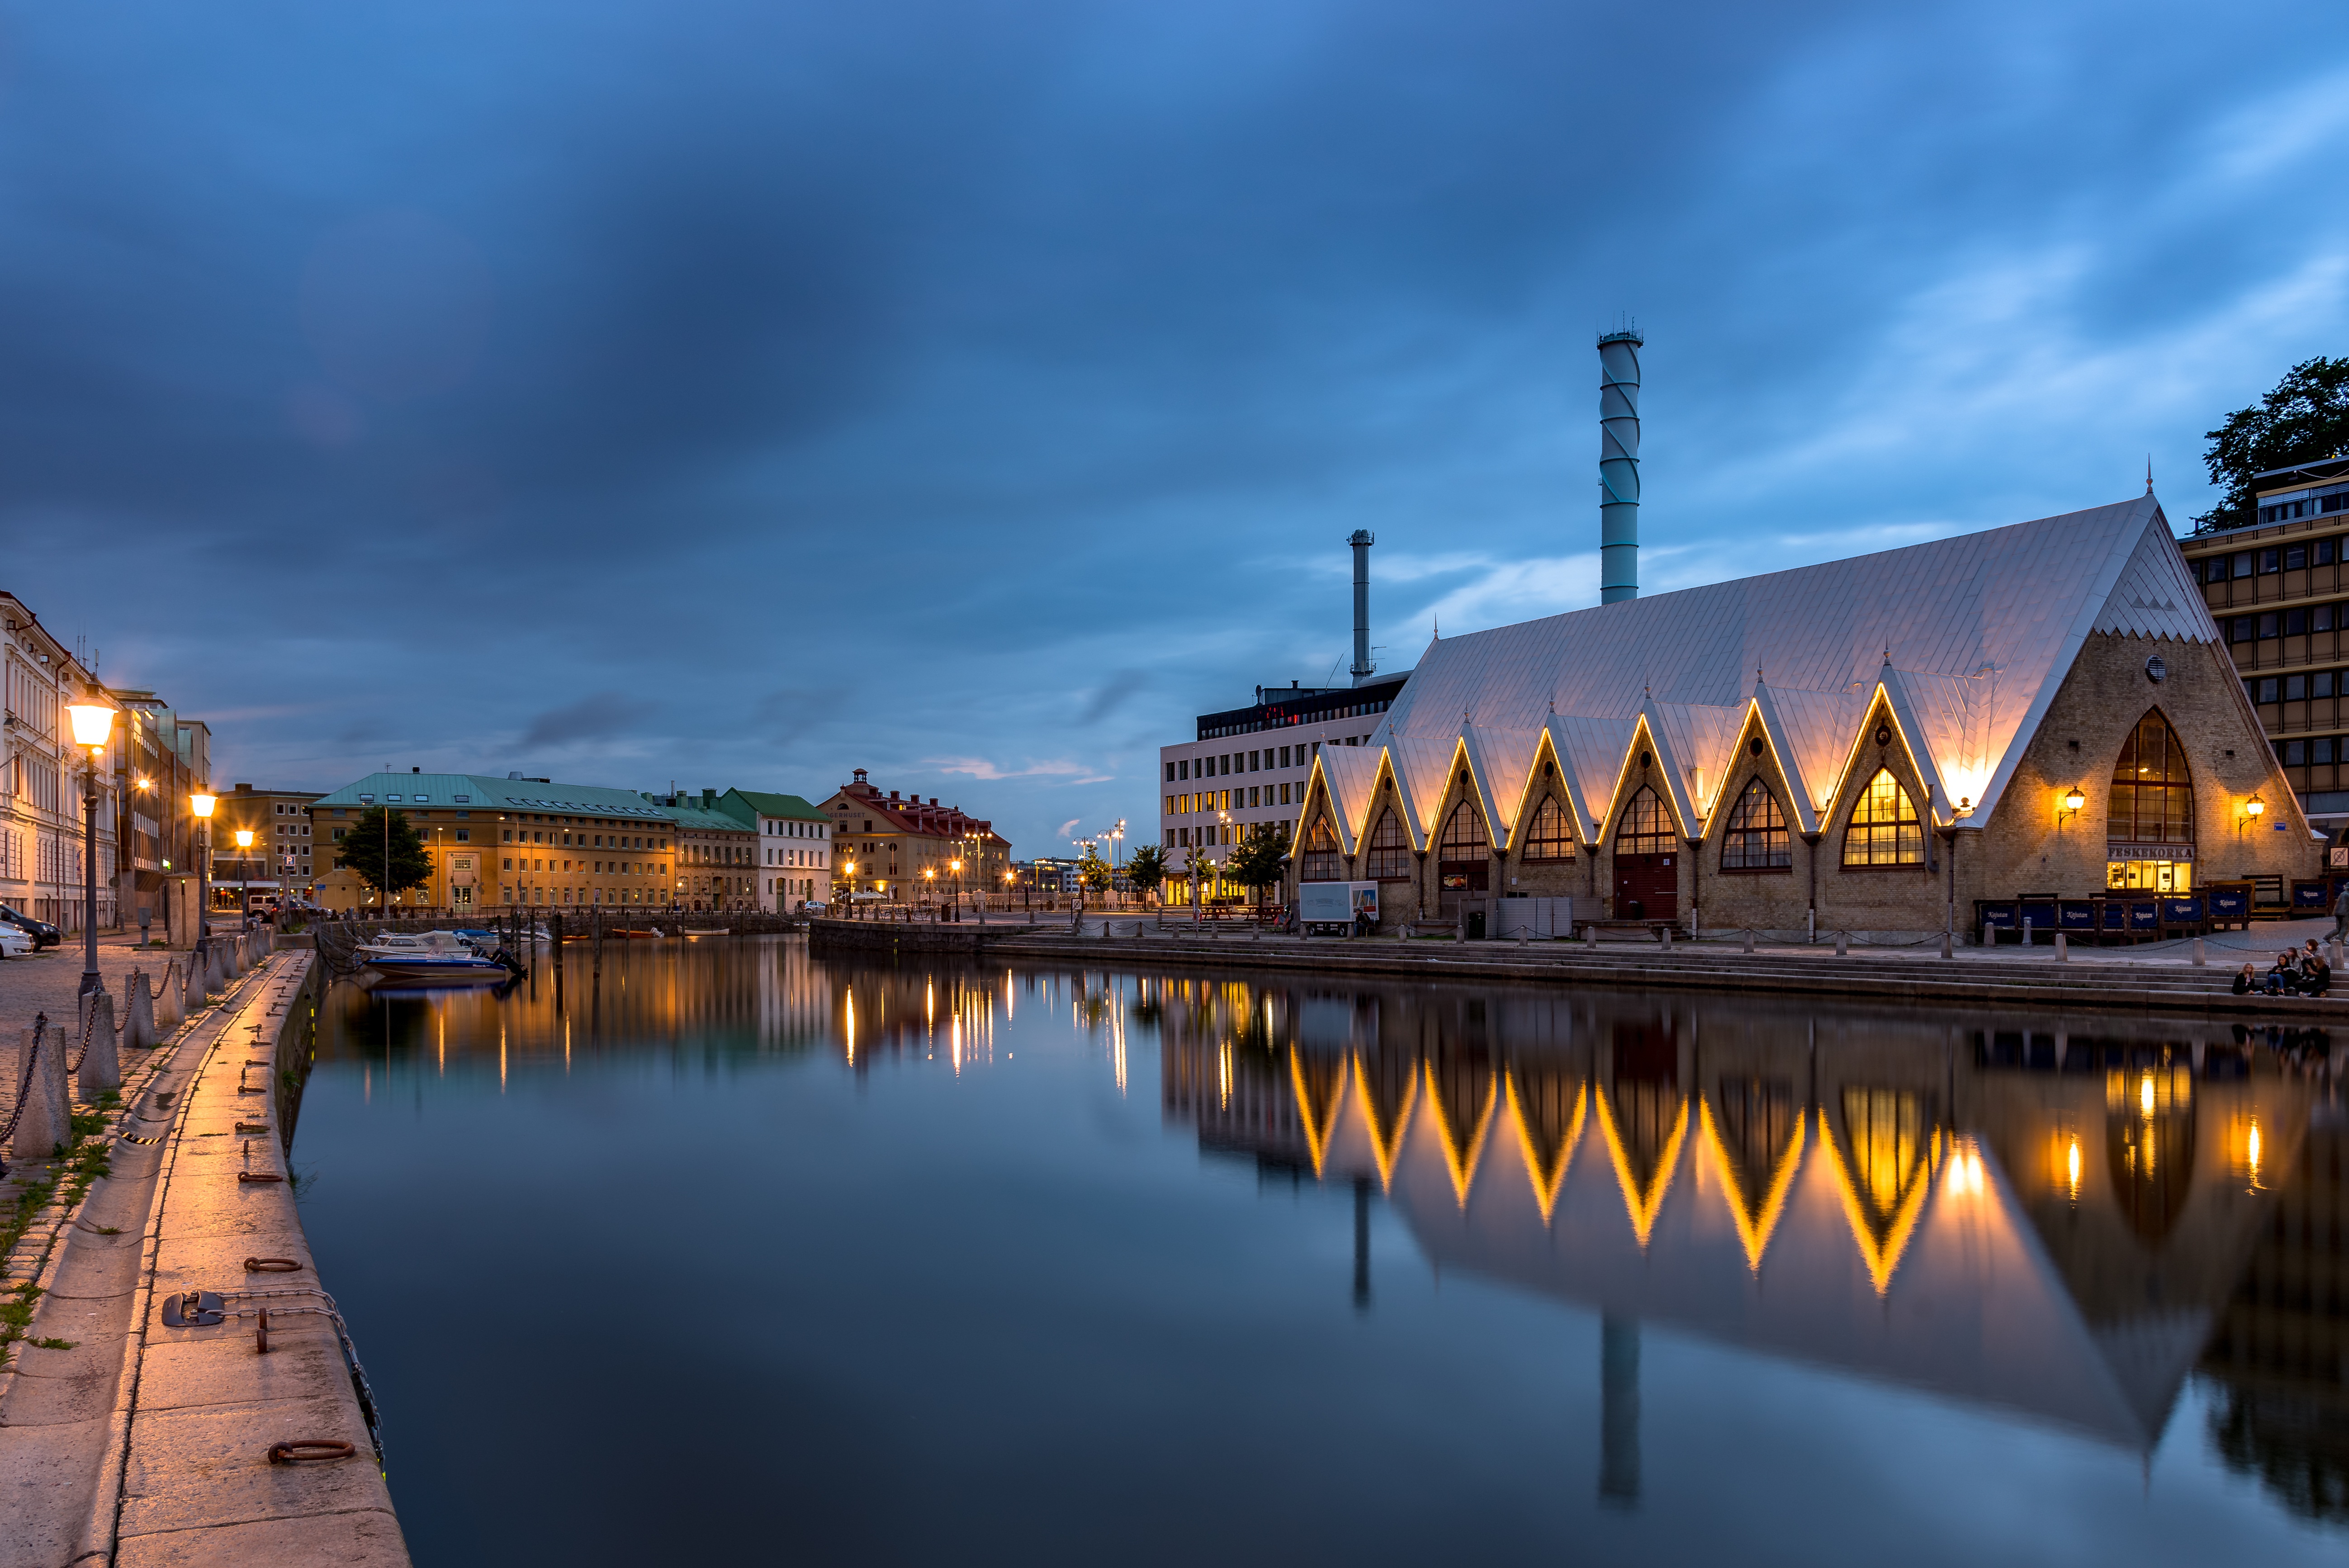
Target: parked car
[
  {"x": 44, "y": 934},
  {"x": 812, "y": 907},
  {"x": 14, "y": 943}
]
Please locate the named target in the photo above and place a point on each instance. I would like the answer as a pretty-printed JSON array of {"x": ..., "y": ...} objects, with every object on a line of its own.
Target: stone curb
[{"x": 99, "y": 1534}]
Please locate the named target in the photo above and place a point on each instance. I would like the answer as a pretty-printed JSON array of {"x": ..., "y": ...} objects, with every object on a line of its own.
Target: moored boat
[{"x": 445, "y": 957}]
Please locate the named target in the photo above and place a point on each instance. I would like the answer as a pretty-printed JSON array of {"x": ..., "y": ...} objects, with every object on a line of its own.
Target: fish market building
[{"x": 1878, "y": 744}]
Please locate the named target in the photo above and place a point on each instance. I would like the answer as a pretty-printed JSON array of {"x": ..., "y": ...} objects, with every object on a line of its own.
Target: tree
[
  {"x": 1146, "y": 870},
  {"x": 362, "y": 850},
  {"x": 2305, "y": 418},
  {"x": 1093, "y": 872},
  {"x": 1200, "y": 868},
  {"x": 1260, "y": 857}
]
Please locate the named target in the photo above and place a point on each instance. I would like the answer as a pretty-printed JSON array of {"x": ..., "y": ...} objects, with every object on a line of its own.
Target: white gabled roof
[{"x": 1968, "y": 636}]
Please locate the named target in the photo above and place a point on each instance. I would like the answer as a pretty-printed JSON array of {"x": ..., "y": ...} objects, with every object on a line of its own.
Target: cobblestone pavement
[{"x": 49, "y": 981}]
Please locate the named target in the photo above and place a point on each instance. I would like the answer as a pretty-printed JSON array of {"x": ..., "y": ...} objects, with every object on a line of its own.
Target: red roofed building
[{"x": 908, "y": 848}]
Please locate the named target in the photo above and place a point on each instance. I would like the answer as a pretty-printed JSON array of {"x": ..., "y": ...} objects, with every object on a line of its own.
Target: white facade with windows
[{"x": 1249, "y": 766}]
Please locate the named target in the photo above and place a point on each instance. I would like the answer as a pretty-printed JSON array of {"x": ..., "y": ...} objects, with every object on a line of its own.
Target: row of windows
[
  {"x": 787, "y": 829},
  {"x": 1239, "y": 762},
  {"x": 1885, "y": 830},
  {"x": 1284, "y": 718},
  {"x": 2317, "y": 684},
  {"x": 599, "y": 868},
  {"x": 2317, "y": 750},
  {"x": 1254, "y": 796},
  {"x": 579, "y": 840},
  {"x": 2313, "y": 506},
  {"x": 2288, "y": 623},
  {"x": 2275, "y": 558}
]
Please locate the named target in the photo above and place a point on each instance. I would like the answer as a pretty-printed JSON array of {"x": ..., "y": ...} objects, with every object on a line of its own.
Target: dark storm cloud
[
  {"x": 591, "y": 717},
  {"x": 864, "y": 380}
]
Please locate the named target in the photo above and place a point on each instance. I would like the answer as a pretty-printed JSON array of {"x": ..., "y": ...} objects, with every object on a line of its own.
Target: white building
[
  {"x": 1249, "y": 766},
  {"x": 41, "y": 783},
  {"x": 794, "y": 846}
]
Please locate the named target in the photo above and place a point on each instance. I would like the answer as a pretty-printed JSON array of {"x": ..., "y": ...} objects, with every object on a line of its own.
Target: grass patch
[{"x": 53, "y": 1343}]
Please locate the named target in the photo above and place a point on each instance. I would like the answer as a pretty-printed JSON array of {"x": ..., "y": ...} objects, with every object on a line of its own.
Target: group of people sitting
[{"x": 2302, "y": 973}]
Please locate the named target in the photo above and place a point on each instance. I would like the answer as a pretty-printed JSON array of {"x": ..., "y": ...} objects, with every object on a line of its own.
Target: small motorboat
[
  {"x": 646, "y": 933},
  {"x": 443, "y": 958}
]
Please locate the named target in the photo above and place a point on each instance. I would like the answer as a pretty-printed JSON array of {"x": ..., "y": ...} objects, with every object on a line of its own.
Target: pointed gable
[
  {"x": 1352, "y": 774},
  {"x": 1988, "y": 624}
]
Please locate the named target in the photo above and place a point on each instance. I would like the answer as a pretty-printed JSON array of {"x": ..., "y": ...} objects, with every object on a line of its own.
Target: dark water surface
[{"x": 742, "y": 1257}]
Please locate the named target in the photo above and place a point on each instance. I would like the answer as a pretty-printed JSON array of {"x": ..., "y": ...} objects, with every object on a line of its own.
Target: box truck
[{"x": 1331, "y": 908}]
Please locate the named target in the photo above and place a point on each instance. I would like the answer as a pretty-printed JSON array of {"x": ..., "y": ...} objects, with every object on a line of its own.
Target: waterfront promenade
[
  {"x": 2151, "y": 978},
  {"x": 125, "y": 1439}
]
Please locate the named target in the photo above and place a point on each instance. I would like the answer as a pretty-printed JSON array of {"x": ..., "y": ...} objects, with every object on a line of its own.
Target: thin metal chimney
[
  {"x": 1362, "y": 542},
  {"x": 1618, "y": 466}
]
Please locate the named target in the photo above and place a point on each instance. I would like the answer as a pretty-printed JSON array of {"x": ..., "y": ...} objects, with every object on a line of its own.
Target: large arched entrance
[
  {"x": 1647, "y": 861},
  {"x": 2149, "y": 819},
  {"x": 1464, "y": 859}
]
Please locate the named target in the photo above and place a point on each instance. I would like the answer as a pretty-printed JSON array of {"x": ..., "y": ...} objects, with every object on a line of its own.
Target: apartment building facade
[
  {"x": 42, "y": 779},
  {"x": 794, "y": 846},
  {"x": 1248, "y": 767},
  {"x": 279, "y": 864},
  {"x": 2280, "y": 593},
  {"x": 905, "y": 847}
]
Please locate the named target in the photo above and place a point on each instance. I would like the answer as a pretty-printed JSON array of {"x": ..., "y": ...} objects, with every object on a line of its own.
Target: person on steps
[
  {"x": 2283, "y": 975},
  {"x": 2246, "y": 983}
]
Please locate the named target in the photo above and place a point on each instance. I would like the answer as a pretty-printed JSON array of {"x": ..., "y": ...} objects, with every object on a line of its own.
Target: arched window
[
  {"x": 1389, "y": 856},
  {"x": 2153, "y": 793},
  {"x": 1464, "y": 835},
  {"x": 1645, "y": 827},
  {"x": 1549, "y": 837},
  {"x": 1320, "y": 861},
  {"x": 1884, "y": 828},
  {"x": 1757, "y": 838}
]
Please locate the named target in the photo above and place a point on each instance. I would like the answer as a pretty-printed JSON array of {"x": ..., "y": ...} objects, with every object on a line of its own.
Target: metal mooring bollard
[
  {"x": 1590, "y": 935},
  {"x": 2026, "y": 931},
  {"x": 1843, "y": 946},
  {"x": 2062, "y": 948},
  {"x": 1945, "y": 943},
  {"x": 1749, "y": 938},
  {"x": 2201, "y": 956},
  {"x": 1990, "y": 934},
  {"x": 1664, "y": 934}
]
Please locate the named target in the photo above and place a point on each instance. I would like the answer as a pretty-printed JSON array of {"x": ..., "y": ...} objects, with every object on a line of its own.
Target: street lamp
[
  {"x": 199, "y": 807},
  {"x": 93, "y": 721},
  {"x": 245, "y": 869}
]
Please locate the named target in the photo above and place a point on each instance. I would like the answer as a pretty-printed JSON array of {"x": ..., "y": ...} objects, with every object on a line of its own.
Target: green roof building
[{"x": 794, "y": 846}]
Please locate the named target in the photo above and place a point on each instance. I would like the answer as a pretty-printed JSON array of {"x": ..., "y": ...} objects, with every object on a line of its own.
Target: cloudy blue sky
[{"x": 974, "y": 392}]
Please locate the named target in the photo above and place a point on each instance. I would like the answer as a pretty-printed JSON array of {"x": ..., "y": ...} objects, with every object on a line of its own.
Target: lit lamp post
[
  {"x": 245, "y": 869},
  {"x": 93, "y": 721},
  {"x": 200, "y": 807}
]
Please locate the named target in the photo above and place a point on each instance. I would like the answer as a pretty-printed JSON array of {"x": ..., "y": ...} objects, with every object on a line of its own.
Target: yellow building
[
  {"x": 910, "y": 849},
  {"x": 502, "y": 842}
]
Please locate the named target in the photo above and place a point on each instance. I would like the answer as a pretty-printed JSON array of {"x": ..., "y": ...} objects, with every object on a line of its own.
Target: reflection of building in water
[
  {"x": 2048, "y": 1223},
  {"x": 2278, "y": 1363},
  {"x": 759, "y": 993}
]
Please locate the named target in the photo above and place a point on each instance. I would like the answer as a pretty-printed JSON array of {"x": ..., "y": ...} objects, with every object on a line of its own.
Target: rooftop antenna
[
  {"x": 1619, "y": 465},
  {"x": 2148, "y": 474}
]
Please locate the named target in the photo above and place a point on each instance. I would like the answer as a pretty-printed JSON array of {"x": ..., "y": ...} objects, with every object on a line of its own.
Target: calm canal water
[{"x": 740, "y": 1256}]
